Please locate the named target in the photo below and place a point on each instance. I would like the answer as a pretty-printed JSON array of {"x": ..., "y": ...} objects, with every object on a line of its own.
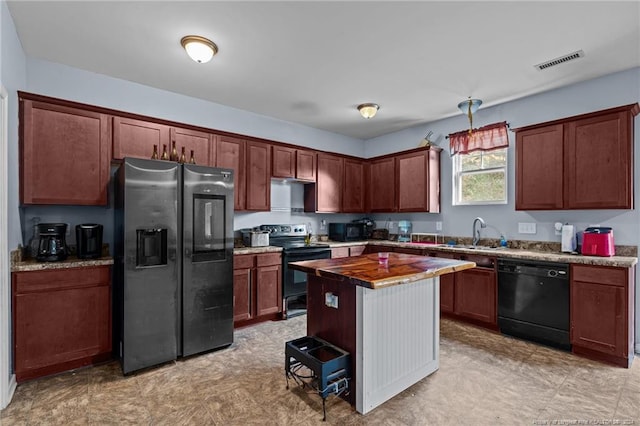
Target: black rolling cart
[{"x": 328, "y": 365}]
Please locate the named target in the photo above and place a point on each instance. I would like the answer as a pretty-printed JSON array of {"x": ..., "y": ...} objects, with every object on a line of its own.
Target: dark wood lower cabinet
[
  {"x": 602, "y": 320},
  {"x": 61, "y": 320},
  {"x": 257, "y": 288},
  {"x": 475, "y": 295},
  {"x": 447, "y": 293}
]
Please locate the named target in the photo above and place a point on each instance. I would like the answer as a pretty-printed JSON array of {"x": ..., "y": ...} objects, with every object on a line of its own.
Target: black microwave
[{"x": 347, "y": 231}]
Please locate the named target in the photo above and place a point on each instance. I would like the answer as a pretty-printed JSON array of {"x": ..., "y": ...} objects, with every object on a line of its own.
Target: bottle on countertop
[
  {"x": 183, "y": 157},
  {"x": 164, "y": 156},
  {"x": 192, "y": 160},
  {"x": 154, "y": 156}
]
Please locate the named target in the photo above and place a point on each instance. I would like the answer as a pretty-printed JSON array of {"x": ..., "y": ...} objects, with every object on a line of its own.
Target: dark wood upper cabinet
[
  {"x": 284, "y": 162},
  {"x": 599, "y": 162},
  {"x": 305, "y": 165},
  {"x": 136, "y": 138},
  {"x": 325, "y": 196},
  {"x": 230, "y": 154},
  {"x": 202, "y": 144},
  {"x": 64, "y": 153},
  {"x": 539, "y": 168},
  {"x": 581, "y": 162},
  {"x": 382, "y": 185},
  {"x": 353, "y": 195},
  {"x": 418, "y": 177},
  {"x": 292, "y": 163},
  {"x": 258, "y": 175}
]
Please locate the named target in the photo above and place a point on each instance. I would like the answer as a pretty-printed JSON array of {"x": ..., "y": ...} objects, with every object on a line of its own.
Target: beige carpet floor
[{"x": 484, "y": 379}]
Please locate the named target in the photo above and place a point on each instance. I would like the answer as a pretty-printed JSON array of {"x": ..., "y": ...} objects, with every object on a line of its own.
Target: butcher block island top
[{"x": 366, "y": 271}]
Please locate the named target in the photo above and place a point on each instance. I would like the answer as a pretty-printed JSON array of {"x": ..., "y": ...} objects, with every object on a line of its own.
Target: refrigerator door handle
[{"x": 187, "y": 252}]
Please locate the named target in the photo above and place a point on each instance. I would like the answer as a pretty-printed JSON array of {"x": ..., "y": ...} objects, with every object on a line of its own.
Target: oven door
[{"x": 294, "y": 283}]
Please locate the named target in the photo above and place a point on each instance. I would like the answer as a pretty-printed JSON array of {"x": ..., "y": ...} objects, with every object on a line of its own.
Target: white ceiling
[{"x": 314, "y": 62}]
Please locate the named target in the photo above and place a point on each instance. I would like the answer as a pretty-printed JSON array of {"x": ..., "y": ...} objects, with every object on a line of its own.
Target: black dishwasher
[{"x": 533, "y": 301}]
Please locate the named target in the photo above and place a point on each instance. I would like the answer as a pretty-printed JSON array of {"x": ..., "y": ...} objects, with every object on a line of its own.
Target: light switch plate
[
  {"x": 526, "y": 228},
  {"x": 438, "y": 226}
]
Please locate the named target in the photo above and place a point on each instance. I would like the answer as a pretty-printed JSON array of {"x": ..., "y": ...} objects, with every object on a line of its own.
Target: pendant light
[
  {"x": 469, "y": 107},
  {"x": 198, "y": 48},
  {"x": 368, "y": 110}
]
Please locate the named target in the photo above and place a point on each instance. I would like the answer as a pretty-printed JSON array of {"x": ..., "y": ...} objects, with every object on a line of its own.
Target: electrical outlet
[
  {"x": 526, "y": 228},
  {"x": 323, "y": 224},
  {"x": 331, "y": 300},
  {"x": 438, "y": 226}
]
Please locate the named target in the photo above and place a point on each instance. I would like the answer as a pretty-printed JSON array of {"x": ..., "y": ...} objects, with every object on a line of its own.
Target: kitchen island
[{"x": 387, "y": 316}]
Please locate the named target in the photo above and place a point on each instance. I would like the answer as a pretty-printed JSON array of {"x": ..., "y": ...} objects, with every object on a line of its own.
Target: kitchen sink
[{"x": 472, "y": 247}]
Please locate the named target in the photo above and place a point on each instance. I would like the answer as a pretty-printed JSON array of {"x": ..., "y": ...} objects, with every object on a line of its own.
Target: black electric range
[{"x": 294, "y": 283}]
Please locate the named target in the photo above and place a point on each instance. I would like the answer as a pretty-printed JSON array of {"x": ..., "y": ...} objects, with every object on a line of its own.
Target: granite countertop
[
  {"x": 518, "y": 253},
  {"x": 70, "y": 262},
  {"x": 256, "y": 250},
  {"x": 365, "y": 270}
]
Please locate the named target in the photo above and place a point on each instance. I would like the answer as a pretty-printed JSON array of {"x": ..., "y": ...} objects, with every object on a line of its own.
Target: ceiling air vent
[{"x": 562, "y": 59}]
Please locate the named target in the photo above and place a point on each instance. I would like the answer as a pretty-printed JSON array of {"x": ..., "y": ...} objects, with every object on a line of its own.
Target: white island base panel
[{"x": 397, "y": 339}]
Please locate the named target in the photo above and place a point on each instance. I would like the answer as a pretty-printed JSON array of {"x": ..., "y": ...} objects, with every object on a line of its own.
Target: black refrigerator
[{"x": 173, "y": 266}]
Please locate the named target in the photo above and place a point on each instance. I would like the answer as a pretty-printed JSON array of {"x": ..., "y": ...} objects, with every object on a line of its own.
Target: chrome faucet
[{"x": 476, "y": 232}]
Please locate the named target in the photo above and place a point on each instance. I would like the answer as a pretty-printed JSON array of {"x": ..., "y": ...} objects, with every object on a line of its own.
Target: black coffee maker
[
  {"x": 52, "y": 246},
  {"x": 89, "y": 240}
]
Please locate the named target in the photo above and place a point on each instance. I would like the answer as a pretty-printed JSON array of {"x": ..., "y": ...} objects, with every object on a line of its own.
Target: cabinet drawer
[
  {"x": 480, "y": 261},
  {"x": 337, "y": 252},
  {"x": 268, "y": 259},
  {"x": 244, "y": 261},
  {"x": 38, "y": 281},
  {"x": 356, "y": 250},
  {"x": 600, "y": 275}
]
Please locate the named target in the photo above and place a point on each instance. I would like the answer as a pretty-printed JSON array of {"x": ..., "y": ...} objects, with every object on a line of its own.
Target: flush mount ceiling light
[
  {"x": 469, "y": 107},
  {"x": 199, "y": 48},
  {"x": 368, "y": 110}
]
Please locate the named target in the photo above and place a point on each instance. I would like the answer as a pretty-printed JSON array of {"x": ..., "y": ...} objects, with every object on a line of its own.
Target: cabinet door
[
  {"x": 305, "y": 165},
  {"x": 382, "y": 185},
  {"x": 539, "y": 168},
  {"x": 268, "y": 290},
  {"x": 284, "y": 162},
  {"x": 601, "y": 318},
  {"x": 475, "y": 294},
  {"x": 598, "y": 165},
  {"x": 136, "y": 138},
  {"x": 353, "y": 193},
  {"x": 258, "y": 175},
  {"x": 230, "y": 153},
  {"x": 329, "y": 186},
  {"x": 447, "y": 293},
  {"x": 200, "y": 143},
  {"x": 242, "y": 297},
  {"x": 597, "y": 317},
  {"x": 62, "y": 319},
  {"x": 64, "y": 155},
  {"x": 413, "y": 182}
]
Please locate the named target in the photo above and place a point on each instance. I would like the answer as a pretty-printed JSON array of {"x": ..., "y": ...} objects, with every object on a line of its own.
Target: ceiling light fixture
[
  {"x": 368, "y": 110},
  {"x": 199, "y": 48},
  {"x": 469, "y": 107}
]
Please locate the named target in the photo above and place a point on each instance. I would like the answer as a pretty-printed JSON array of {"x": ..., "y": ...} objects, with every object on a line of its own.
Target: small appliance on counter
[
  {"x": 598, "y": 241},
  {"x": 350, "y": 231},
  {"x": 404, "y": 231},
  {"x": 568, "y": 239},
  {"x": 255, "y": 237},
  {"x": 89, "y": 240},
  {"x": 369, "y": 226},
  {"x": 52, "y": 245}
]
